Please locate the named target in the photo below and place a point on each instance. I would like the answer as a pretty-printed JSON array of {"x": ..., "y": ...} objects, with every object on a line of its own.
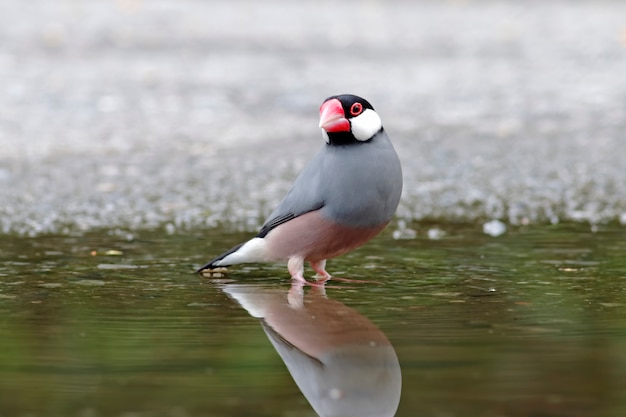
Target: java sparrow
[{"x": 344, "y": 197}]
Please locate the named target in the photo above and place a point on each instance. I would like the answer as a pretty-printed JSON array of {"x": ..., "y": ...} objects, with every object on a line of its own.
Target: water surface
[{"x": 531, "y": 323}]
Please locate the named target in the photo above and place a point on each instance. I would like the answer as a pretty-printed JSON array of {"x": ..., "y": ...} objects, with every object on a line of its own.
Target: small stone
[
  {"x": 435, "y": 233},
  {"x": 494, "y": 228},
  {"x": 215, "y": 272}
]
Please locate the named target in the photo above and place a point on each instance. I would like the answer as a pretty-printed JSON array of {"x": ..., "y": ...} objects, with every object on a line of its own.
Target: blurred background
[{"x": 183, "y": 114}]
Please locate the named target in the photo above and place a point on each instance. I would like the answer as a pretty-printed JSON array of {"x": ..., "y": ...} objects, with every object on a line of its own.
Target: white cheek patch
[
  {"x": 365, "y": 125},
  {"x": 325, "y": 136}
]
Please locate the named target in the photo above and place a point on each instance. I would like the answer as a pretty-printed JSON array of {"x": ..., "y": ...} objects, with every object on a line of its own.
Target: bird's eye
[{"x": 356, "y": 109}]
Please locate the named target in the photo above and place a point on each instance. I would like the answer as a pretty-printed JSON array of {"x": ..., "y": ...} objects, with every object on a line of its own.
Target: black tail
[{"x": 210, "y": 264}]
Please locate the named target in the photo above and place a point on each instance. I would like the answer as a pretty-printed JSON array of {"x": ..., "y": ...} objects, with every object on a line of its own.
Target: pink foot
[
  {"x": 323, "y": 276},
  {"x": 320, "y": 268},
  {"x": 295, "y": 266}
]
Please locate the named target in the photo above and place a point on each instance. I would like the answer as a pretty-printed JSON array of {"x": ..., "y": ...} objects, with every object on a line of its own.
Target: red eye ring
[{"x": 356, "y": 109}]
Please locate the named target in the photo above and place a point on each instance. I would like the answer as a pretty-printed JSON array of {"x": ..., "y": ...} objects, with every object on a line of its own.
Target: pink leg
[
  {"x": 320, "y": 268},
  {"x": 295, "y": 265}
]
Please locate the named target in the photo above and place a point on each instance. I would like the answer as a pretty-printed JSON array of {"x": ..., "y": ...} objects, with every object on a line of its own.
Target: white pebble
[
  {"x": 494, "y": 228},
  {"x": 435, "y": 233}
]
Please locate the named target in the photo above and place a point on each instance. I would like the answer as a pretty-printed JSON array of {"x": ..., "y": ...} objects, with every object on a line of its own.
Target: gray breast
[{"x": 363, "y": 182}]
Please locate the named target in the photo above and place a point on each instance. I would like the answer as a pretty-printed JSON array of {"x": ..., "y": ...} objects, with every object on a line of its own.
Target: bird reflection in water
[{"x": 343, "y": 364}]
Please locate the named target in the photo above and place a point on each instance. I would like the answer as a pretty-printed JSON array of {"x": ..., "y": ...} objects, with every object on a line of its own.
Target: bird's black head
[{"x": 347, "y": 119}]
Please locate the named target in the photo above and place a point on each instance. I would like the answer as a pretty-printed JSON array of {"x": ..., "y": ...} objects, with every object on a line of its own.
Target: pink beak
[{"x": 332, "y": 117}]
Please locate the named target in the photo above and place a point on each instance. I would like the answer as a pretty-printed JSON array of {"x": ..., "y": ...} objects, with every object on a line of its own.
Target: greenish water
[{"x": 532, "y": 323}]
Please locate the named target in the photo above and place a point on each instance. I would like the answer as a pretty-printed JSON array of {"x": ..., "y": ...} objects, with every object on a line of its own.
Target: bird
[{"x": 346, "y": 195}]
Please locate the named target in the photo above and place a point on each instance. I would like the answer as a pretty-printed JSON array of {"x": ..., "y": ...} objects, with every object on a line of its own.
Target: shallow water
[{"x": 532, "y": 323}]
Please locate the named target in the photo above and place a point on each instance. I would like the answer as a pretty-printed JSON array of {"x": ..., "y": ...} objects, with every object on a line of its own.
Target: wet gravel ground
[{"x": 136, "y": 114}]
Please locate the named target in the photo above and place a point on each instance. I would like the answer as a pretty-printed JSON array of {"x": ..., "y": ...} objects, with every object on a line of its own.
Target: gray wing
[{"x": 306, "y": 195}]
